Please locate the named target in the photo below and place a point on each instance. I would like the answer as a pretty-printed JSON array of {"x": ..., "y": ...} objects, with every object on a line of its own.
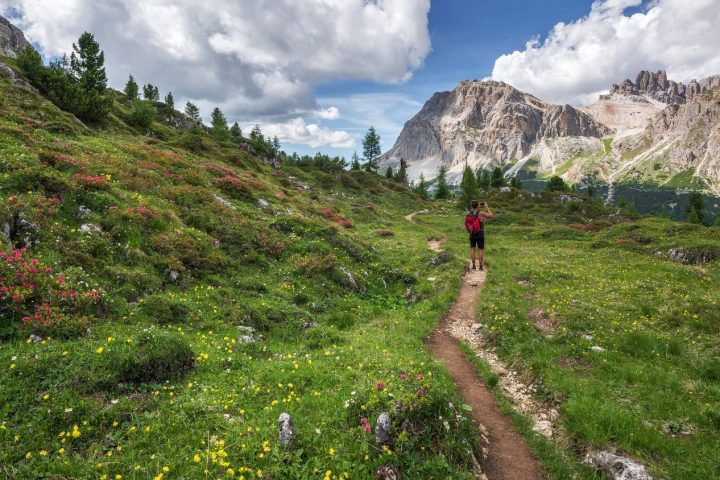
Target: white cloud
[
  {"x": 254, "y": 59},
  {"x": 579, "y": 60},
  {"x": 298, "y": 132},
  {"x": 331, "y": 113}
]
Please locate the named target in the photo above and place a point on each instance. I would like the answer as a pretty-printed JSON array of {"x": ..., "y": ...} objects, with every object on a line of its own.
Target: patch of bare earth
[{"x": 546, "y": 324}]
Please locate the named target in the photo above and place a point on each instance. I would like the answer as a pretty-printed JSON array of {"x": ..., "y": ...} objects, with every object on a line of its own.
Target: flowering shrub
[
  {"x": 330, "y": 215},
  {"x": 32, "y": 295},
  {"x": 91, "y": 181},
  {"x": 34, "y": 208}
]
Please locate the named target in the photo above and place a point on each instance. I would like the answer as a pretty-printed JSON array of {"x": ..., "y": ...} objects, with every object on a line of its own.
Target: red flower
[{"x": 380, "y": 386}]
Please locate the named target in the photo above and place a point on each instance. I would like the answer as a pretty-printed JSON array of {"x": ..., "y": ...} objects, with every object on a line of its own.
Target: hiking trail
[{"x": 506, "y": 456}]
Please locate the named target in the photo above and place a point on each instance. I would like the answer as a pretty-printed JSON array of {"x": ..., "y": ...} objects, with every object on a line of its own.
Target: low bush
[{"x": 164, "y": 310}]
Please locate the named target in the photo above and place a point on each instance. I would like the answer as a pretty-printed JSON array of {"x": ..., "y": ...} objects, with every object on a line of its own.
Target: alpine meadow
[{"x": 254, "y": 284}]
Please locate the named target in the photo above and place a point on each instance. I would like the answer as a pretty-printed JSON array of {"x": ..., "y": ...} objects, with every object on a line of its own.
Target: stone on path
[
  {"x": 619, "y": 468},
  {"x": 285, "y": 429}
]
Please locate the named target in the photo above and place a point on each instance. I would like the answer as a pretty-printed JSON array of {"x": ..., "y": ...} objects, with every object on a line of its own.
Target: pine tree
[
  {"x": 219, "y": 127},
  {"x": 590, "y": 191},
  {"x": 192, "y": 111},
  {"x": 371, "y": 150},
  {"x": 276, "y": 144},
  {"x": 131, "y": 88},
  {"x": 170, "y": 101},
  {"x": 421, "y": 188},
  {"x": 151, "y": 93},
  {"x": 142, "y": 114},
  {"x": 87, "y": 64},
  {"x": 442, "y": 191},
  {"x": 695, "y": 207},
  {"x": 355, "y": 162},
  {"x": 389, "y": 172},
  {"x": 468, "y": 188},
  {"x": 515, "y": 182},
  {"x": 498, "y": 179},
  {"x": 256, "y": 134},
  {"x": 401, "y": 175},
  {"x": 556, "y": 184},
  {"x": 235, "y": 132},
  {"x": 482, "y": 179}
]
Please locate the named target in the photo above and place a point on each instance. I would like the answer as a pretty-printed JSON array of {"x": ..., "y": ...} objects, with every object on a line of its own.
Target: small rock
[
  {"x": 544, "y": 428},
  {"x": 387, "y": 472},
  {"x": 6, "y": 231},
  {"x": 587, "y": 337},
  {"x": 477, "y": 326},
  {"x": 597, "y": 348},
  {"x": 383, "y": 429},
  {"x": 310, "y": 324},
  {"x": 285, "y": 428},
  {"x": 88, "y": 228},
  {"x": 174, "y": 275},
  {"x": 619, "y": 468},
  {"x": 246, "y": 339},
  {"x": 263, "y": 203},
  {"x": 505, "y": 189},
  {"x": 35, "y": 338},
  {"x": 224, "y": 202},
  {"x": 83, "y": 211}
]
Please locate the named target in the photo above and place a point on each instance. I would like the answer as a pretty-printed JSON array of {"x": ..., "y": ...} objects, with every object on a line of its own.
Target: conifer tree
[
  {"x": 235, "y": 132},
  {"x": 421, "y": 188},
  {"x": 151, "y": 93},
  {"x": 401, "y": 175},
  {"x": 371, "y": 150},
  {"x": 87, "y": 64},
  {"x": 498, "y": 179},
  {"x": 219, "y": 127},
  {"x": 87, "y": 97},
  {"x": 355, "y": 162},
  {"x": 192, "y": 111},
  {"x": 131, "y": 88},
  {"x": 389, "y": 172},
  {"x": 468, "y": 188},
  {"x": 695, "y": 207},
  {"x": 170, "y": 101},
  {"x": 442, "y": 190},
  {"x": 557, "y": 184},
  {"x": 482, "y": 179}
]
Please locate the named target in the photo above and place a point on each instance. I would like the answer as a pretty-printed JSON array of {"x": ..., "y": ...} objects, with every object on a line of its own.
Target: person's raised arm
[{"x": 487, "y": 213}]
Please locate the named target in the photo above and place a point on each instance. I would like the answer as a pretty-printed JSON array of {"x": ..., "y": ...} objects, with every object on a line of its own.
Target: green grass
[{"x": 653, "y": 393}]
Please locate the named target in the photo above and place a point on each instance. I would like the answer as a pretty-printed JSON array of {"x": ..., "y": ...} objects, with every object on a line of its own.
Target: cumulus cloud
[
  {"x": 331, "y": 113},
  {"x": 298, "y": 132},
  {"x": 254, "y": 59},
  {"x": 579, "y": 60}
]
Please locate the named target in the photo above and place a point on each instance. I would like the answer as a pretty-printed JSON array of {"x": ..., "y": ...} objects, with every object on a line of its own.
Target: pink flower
[
  {"x": 420, "y": 376},
  {"x": 420, "y": 392},
  {"x": 363, "y": 420},
  {"x": 380, "y": 385},
  {"x": 368, "y": 428},
  {"x": 403, "y": 376}
]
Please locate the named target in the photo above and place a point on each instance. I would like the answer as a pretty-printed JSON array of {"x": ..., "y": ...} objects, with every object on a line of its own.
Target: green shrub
[
  {"x": 153, "y": 356},
  {"x": 322, "y": 337},
  {"x": 164, "y": 310},
  {"x": 142, "y": 114},
  {"x": 639, "y": 344}
]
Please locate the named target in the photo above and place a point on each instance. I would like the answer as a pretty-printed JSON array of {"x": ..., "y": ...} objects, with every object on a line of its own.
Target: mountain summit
[
  {"x": 12, "y": 39},
  {"x": 483, "y": 124}
]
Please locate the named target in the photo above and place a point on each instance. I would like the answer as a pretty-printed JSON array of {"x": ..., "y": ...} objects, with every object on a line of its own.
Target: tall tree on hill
[
  {"x": 468, "y": 188},
  {"x": 131, "y": 88},
  {"x": 695, "y": 207},
  {"x": 557, "y": 184},
  {"x": 276, "y": 146},
  {"x": 256, "y": 134},
  {"x": 389, "y": 172},
  {"x": 219, "y": 126},
  {"x": 192, "y": 111},
  {"x": 442, "y": 190},
  {"x": 355, "y": 161},
  {"x": 482, "y": 179},
  {"x": 235, "y": 132},
  {"x": 421, "y": 188},
  {"x": 170, "y": 101},
  {"x": 498, "y": 179},
  {"x": 151, "y": 93},
  {"x": 401, "y": 175},
  {"x": 515, "y": 182},
  {"x": 87, "y": 64},
  {"x": 371, "y": 150}
]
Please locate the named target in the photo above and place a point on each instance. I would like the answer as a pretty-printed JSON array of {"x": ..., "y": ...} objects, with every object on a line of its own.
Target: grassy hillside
[
  {"x": 165, "y": 298},
  {"x": 560, "y": 285}
]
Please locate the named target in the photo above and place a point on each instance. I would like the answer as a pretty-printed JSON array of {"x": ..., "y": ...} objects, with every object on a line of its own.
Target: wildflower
[
  {"x": 380, "y": 386},
  {"x": 331, "y": 451},
  {"x": 75, "y": 432},
  {"x": 196, "y": 458},
  {"x": 100, "y": 350}
]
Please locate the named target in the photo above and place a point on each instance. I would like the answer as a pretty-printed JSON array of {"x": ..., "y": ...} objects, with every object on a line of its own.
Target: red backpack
[{"x": 472, "y": 222}]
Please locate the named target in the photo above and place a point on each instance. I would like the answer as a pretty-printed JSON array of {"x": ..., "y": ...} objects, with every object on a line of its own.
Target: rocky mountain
[
  {"x": 12, "y": 39},
  {"x": 483, "y": 124},
  {"x": 656, "y": 86}
]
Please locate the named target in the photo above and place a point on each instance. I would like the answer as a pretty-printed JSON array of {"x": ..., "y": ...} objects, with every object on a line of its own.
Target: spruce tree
[
  {"x": 87, "y": 64},
  {"x": 468, "y": 188},
  {"x": 256, "y": 134},
  {"x": 515, "y": 182},
  {"x": 695, "y": 207},
  {"x": 421, "y": 188},
  {"x": 355, "y": 162},
  {"x": 170, "y": 101},
  {"x": 151, "y": 93},
  {"x": 482, "y": 179},
  {"x": 131, "y": 88},
  {"x": 498, "y": 179},
  {"x": 235, "y": 132},
  {"x": 276, "y": 144},
  {"x": 401, "y": 175},
  {"x": 556, "y": 184},
  {"x": 371, "y": 150},
  {"x": 590, "y": 191},
  {"x": 389, "y": 172},
  {"x": 192, "y": 111},
  {"x": 219, "y": 127},
  {"x": 442, "y": 191}
]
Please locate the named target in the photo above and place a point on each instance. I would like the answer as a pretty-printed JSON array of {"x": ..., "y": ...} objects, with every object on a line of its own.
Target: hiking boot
[
  {"x": 481, "y": 268},
  {"x": 474, "y": 268}
]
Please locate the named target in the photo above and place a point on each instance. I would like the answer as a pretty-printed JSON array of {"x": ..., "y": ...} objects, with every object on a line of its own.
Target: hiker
[{"x": 474, "y": 225}]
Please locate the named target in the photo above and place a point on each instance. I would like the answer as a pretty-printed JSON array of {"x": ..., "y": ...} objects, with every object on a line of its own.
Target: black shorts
[{"x": 477, "y": 240}]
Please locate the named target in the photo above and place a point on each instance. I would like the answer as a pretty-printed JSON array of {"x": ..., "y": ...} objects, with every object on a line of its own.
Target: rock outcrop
[
  {"x": 656, "y": 86},
  {"x": 483, "y": 124},
  {"x": 12, "y": 39}
]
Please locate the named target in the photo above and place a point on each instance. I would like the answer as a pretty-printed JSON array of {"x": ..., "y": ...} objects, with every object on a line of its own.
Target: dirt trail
[
  {"x": 506, "y": 455},
  {"x": 434, "y": 243}
]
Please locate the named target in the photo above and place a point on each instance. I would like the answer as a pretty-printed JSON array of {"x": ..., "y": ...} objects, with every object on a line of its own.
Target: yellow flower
[
  {"x": 331, "y": 451},
  {"x": 196, "y": 458},
  {"x": 166, "y": 469},
  {"x": 46, "y": 396},
  {"x": 75, "y": 432},
  {"x": 100, "y": 350}
]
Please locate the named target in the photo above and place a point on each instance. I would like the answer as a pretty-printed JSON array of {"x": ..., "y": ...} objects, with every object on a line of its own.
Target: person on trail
[{"x": 474, "y": 225}]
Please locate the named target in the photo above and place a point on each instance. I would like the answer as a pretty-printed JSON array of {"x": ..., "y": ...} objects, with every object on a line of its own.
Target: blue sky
[{"x": 467, "y": 36}]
